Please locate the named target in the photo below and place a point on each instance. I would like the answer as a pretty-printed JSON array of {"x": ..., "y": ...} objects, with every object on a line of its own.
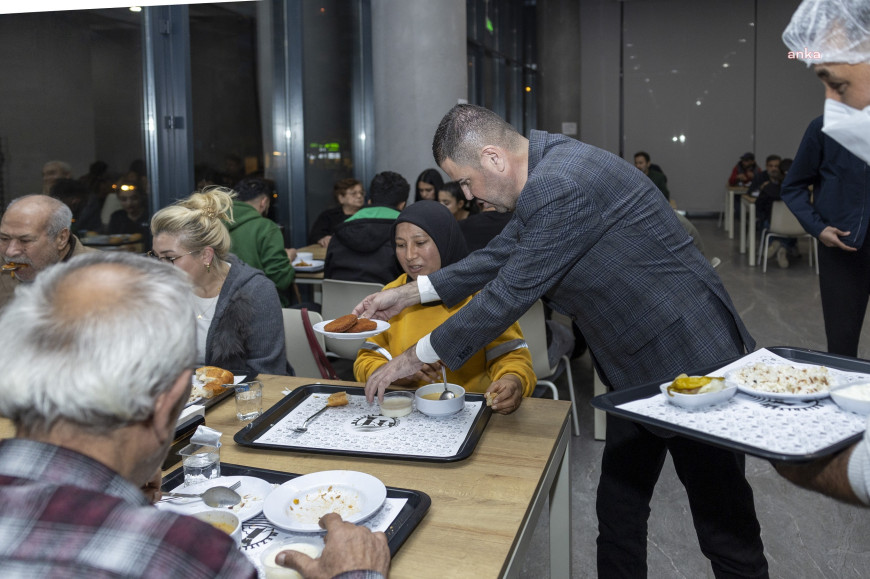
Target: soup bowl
[
  {"x": 226, "y": 521},
  {"x": 426, "y": 399}
]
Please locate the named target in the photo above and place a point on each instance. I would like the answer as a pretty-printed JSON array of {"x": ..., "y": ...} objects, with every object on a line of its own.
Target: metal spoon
[
  {"x": 309, "y": 419},
  {"x": 215, "y": 496},
  {"x": 447, "y": 394}
]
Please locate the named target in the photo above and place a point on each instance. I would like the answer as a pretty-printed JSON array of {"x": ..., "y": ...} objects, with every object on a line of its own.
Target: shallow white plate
[
  {"x": 778, "y": 396},
  {"x": 692, "y": 401},
  {"x": 382, "y": 327},
  {"x": 316, "y": 265},
  {"x": 298, "y": 504},
  {"x": 252, "y": 490}
]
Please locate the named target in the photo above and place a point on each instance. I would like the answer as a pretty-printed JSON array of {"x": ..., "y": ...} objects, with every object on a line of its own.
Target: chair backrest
[
  {"x": 296, "y": 343},
  {"x": 339, "y": 299},
  {"x": 534, "y": 327},
  {"x": 783, "y": 221}
]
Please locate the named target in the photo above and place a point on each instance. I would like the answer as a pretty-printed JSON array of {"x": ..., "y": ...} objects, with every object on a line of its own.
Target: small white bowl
[
  {"x": 440, "y": 407},
  {"x": 693, "y": 401},
  {"x": 222, "y": 518},
  {"x": 853, "y": 397},
  {"x": 275, "y": 571},
  {"x": 305, "y": 256},
  {"x": 397, "y": 404}
]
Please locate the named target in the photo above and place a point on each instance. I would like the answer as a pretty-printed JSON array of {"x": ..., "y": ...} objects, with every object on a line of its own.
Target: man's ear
[
  {"x": 493, "y": 158},
  {"x": 62, "y": 238},
  {"x": 169, "y": 403},
  {"x": 400, "y": 206}
]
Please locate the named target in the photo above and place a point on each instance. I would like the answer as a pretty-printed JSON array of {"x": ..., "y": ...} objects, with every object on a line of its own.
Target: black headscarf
[{"x": 437, "y": 221}]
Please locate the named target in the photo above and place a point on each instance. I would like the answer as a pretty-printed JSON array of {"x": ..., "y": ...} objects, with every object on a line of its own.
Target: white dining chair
[
  {"x": 339, "y": 299},
  {"x": 534, "y": 327},
  {"x": 783, "y": 223},
  {"x": 296, "y": 345}
]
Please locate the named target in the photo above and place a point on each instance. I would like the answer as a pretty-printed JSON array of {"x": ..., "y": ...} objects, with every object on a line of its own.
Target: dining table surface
[{"x": 484, "y": 508}]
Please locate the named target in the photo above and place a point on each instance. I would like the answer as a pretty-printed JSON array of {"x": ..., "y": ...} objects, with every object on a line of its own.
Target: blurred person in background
[
  {"x": 427, "y": 185},
  {"x": 350, "y": 198}
]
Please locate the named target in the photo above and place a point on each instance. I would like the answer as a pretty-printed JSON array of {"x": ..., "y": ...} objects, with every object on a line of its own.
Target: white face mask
[{"x": 849, "y": 127}]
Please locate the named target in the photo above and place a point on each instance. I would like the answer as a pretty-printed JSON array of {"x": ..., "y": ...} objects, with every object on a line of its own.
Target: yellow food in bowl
[
  {"x": 685, "y": 384},
  {"x": 225, "y": 527}
]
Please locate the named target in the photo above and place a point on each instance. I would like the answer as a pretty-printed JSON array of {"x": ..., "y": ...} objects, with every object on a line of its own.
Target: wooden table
[
  {"x": 484, "y": 508},
  {"x": 747, "y": 226},
  {"x": 312, "y": 278}
]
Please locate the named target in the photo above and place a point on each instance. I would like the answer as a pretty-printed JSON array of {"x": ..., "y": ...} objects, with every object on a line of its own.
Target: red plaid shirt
[{"x": 63, "y": 514}]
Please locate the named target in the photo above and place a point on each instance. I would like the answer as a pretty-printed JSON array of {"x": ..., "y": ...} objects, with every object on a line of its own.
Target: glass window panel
[
  {"x": 227, "y": 132},
  {"x": 73, "y": 94},
  {"x": 331, "y": 49}
]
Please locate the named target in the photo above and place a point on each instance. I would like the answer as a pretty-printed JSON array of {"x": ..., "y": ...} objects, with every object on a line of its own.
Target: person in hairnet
[{"x": 833, "y": 36}]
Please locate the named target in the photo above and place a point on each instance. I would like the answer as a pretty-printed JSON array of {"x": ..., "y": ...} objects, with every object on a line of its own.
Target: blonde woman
[{"x": 238, "y": 314}]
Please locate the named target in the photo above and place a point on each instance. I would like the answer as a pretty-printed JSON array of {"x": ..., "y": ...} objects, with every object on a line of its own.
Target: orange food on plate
[
  {"x": 362, "y": 325},
  {"x": 342, "y": 324}
]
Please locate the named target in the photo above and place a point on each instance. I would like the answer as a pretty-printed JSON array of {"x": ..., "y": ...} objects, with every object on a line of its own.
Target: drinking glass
[{"x": 249, "y": 400}]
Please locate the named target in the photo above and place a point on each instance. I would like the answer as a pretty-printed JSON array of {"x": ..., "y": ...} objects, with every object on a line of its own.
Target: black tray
[
  {"x": 248, "y": 435},
  {"x": 404, "y": 523},
  {"x": 609, "y": 403}
]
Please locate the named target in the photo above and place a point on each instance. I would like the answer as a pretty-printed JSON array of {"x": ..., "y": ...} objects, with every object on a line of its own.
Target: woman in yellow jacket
[{"x": 427, "y": 237}]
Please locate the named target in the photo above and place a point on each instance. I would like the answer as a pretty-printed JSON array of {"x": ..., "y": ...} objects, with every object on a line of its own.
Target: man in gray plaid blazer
[{"x": 594, "y": 237}]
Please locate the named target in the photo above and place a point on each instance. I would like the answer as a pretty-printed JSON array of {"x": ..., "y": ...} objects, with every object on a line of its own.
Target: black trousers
[
  {"x": 720, "y": 499},
  {"x": 844, "y": 282}
]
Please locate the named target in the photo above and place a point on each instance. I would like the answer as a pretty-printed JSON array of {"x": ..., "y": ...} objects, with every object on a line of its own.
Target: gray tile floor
[{"x": 805, "y": 534}]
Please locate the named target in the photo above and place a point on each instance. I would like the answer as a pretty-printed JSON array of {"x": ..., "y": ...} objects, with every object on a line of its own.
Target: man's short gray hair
[
  {"x": 61, "y": 214},
  {"x": 98, "y": 362},
  {"x": 466, "y": 130}
]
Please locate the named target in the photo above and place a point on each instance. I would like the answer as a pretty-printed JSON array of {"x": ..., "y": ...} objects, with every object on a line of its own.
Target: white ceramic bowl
[
  {"x": 853, "y": 397},
  {"x": 692, "y": 401},
  {"x": 275, "y": 571},
  {"x": 223, "y": 518},
  {"x": 305, "y": 256},
  {"x": 440, "y": 407}
]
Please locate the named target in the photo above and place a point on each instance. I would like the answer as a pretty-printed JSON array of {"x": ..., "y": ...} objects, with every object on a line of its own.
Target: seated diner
[
  {"x": 238, "y": 313},
  {"x": 426, "y": 238}
]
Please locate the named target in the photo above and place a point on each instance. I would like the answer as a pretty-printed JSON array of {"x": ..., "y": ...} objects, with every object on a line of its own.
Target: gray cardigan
[{"x": 246, "y": 335}]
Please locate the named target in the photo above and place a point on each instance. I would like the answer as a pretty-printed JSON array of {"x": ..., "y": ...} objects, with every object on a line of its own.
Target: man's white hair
[
  {"x": 61, "y": 214},
  {"x": 98, "y": 365}
]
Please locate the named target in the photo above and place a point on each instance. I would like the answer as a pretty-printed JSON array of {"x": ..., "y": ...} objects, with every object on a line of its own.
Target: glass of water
[
  {"x": 200, "y": 463},
  {"x": 249, "y": 400}
]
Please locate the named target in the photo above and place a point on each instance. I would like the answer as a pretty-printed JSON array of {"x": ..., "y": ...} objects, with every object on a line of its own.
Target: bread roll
[
  {"x": 337, "y": 399},
  {"x": 214, "y": 379}
]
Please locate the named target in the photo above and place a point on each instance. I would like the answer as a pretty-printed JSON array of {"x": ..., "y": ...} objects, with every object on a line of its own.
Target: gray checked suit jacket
[{"x": 595, "y": 237}]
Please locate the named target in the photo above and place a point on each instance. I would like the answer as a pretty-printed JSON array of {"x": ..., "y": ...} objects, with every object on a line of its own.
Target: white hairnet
[{"x": 830, "y": 31}]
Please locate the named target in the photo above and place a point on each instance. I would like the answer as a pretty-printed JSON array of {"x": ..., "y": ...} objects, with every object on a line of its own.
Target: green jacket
[{"x": 258, "y": 242}]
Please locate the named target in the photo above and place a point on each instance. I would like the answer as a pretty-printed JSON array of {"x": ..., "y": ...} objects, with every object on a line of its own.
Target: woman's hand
[
  {"x": 508, "y": 392},
  {"x": 151, "y": 489}
]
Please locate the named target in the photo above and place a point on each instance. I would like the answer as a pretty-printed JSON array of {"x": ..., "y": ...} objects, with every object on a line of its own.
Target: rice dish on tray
[{"x": 784, "y": 379}]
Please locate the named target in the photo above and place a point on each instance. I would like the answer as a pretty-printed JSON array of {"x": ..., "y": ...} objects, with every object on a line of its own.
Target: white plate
[
  {"x": 778, "y": 396},
  {"x": 316, "y": 265},
  {"x": 253, "y": 491},
  {"x": 382, "y": 327},
  {"x": 194, "y": 398},
  {"x": 354, "y": 495},
  {"x": 692, "y": 401}
]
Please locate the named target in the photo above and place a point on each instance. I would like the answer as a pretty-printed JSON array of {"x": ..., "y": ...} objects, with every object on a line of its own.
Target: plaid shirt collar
[{"x": 39, "y": 461}]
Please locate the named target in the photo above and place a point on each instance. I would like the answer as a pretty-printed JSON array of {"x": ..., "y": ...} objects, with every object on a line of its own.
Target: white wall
[
  {"x": 762, "y": 102},
  {"x": 419, "y": 69}
]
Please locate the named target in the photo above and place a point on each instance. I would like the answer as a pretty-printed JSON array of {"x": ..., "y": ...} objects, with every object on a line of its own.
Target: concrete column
[
  {"x": 420, "y": 71},
  {"x": 558, "y": 23}
]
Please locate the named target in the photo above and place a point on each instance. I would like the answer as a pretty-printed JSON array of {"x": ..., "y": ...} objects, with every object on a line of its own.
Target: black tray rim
[
  {"x": 246, "y": 435},
  {"x": 608, "y": 403},
  {"x": 403, "y": 525}
]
